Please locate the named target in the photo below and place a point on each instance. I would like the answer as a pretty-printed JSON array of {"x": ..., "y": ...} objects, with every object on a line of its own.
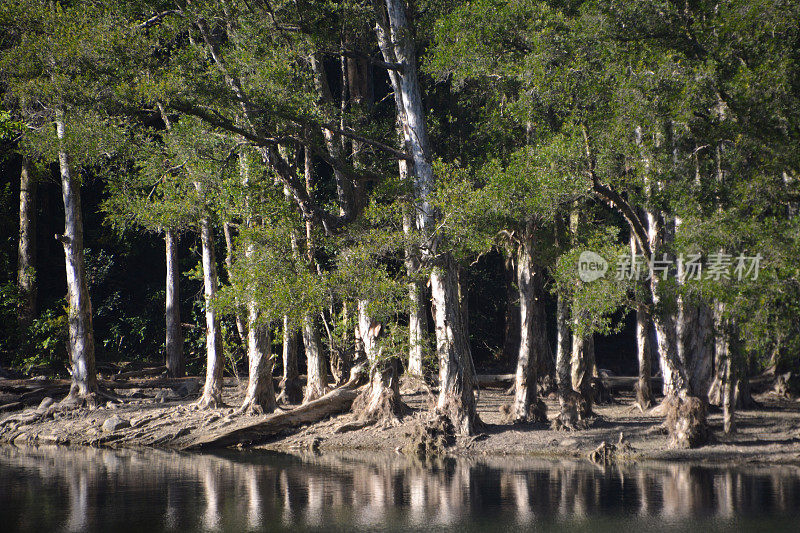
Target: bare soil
[{"x": 155, "y": 418}]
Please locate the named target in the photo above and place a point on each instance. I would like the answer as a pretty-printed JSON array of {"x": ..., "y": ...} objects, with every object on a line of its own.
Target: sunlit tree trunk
[
  {"x": 644, "y": 349},
  {"x": 81, "y": 330},
  {"x": 456, "y": 398},
  {"x": 212, "y": 391},
  {"x": 727, "y": 383},
  {"x": 381, "y": 398},
  {"x": 26, "y": 254},
  {"x": 317, "y": 376},
  {"x": 417, "y": 314},
  {"x": 533, "y": 336},
  {"x": 260, "y": 396},
  {"x": 174, "y": 340}
]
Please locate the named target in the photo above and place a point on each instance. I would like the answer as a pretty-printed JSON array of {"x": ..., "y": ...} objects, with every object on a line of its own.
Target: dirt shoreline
[{"x": 768, "y": 434}]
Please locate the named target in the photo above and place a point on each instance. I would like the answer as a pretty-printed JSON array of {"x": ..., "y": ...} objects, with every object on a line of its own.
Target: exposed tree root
[
  {"x": 464, "y": 421},
  {"x": 209, "y": 401},
  {"x": 574, "y": 412},
  {"x": 686, "y": 421},
  {"x": 430, "y": 438},
  {"x": 382, "y": 405},
  {"x": 536, "y": 414}
]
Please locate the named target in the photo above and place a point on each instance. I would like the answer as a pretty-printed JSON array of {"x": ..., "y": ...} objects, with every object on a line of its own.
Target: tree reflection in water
[{"x": 46, "y": 489}]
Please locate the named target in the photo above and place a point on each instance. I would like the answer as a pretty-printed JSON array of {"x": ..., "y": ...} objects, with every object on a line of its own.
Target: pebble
[{"x": 114, "y": 423}]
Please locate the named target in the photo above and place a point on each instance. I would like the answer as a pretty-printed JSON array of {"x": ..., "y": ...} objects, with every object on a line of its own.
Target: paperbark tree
[
  {"x": 212, "y": 389},
  {"x": 26, "y": 254},
  {"x": 174, "y": 337},
  {"x": 456, "y": 398},
  {"x": 380, "y": 400},
  {"x": 644, "y": 348},
  {"x": 81, "y": 330},
  {"x": 533, "y": 344}
]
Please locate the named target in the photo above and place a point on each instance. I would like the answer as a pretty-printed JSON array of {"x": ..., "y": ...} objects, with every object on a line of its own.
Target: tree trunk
[
  {"x": 672, "y": 369},
  {"x": 644, "y": 352},
  {"x": 723, "y": 354},
  {"x": 212, "y": 391},
  {"x": 583, "y": 370},
  {"x": 174, "y": 341},
  {"x": 511, "y": 327},
  {"x": 241, "y": 322},
  {"x": 533, "y": 338},
  {"x": 380, "y": 401},
  {"x": 563, "y": 345},
  {"x": 291, "y": 387},
  {"x": 456, "y": 399},
  {"x": 417, "y": 314},
  {"x": 695, "y": 346},
  {"x": 26, "y": 263},
  {"x": 317, "y": 375},
  {"x": 81, "y": 330},
  {"x": 260, "y": 396},
  {"x": 644, "y": 349}
]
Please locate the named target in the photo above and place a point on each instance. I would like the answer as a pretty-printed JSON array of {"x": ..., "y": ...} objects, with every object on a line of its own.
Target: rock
[
  {"x": 187, "y": 388},
  {"x": 165, "y": 395},
  {"x": 115, "y": 423},
  {"x": 569, "y": 443},
  {"x": 45, "y": 403}
]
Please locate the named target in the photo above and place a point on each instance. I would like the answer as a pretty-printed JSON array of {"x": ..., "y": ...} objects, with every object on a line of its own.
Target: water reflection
[{"x": 46, "y": 489}]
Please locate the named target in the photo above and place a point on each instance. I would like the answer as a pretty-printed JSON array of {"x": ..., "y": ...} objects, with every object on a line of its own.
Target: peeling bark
[
  {"x": 26, "y": 252},
  {"x": 212, "y": 390},
  {"x": 456, "y": 397},
  {"x": 533, "y": 344},
  {"x": 81, "y": 330},
  {"x": 317, "y": 375},
  {"x": 380, "y": 401},
  {"x": 260, "y": 396}
]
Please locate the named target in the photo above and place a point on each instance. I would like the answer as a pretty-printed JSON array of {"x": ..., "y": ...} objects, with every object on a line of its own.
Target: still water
[{"x": 62, "y": 489}]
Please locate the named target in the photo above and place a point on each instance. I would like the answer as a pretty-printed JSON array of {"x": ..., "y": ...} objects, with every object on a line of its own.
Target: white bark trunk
[
  {"x": 317, "y": 375},
  {"x": 26, "y": 255},
  {"x": 456, "y": 398},
  {"x": 644, "y": 348},
  {"x": 417, "y": 314},
  {"x": 81, "y": 331},
  {"x": 174, "y": 337},
  {"x": 260, "y": 396},
  {"x": 381, "y": 399},
  {"x": 672, "y": 369},
  {"x": 212, "y": 391},
  {"x": 563, "y": 345},
  {"x": 533, "y": 337}
]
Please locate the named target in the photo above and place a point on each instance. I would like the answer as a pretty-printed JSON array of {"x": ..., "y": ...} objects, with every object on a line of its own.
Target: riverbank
[{"x": 157, "y": 418}]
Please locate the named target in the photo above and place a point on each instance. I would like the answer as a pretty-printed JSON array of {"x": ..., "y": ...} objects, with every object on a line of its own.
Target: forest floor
[{"x": 150, "y": 417}]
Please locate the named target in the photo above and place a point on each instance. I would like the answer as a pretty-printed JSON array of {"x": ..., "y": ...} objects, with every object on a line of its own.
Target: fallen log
[
  {"x": 154, "y": 371},
  {"x": 493, "y": 380},
  {"x": 336, "y": 401}
]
